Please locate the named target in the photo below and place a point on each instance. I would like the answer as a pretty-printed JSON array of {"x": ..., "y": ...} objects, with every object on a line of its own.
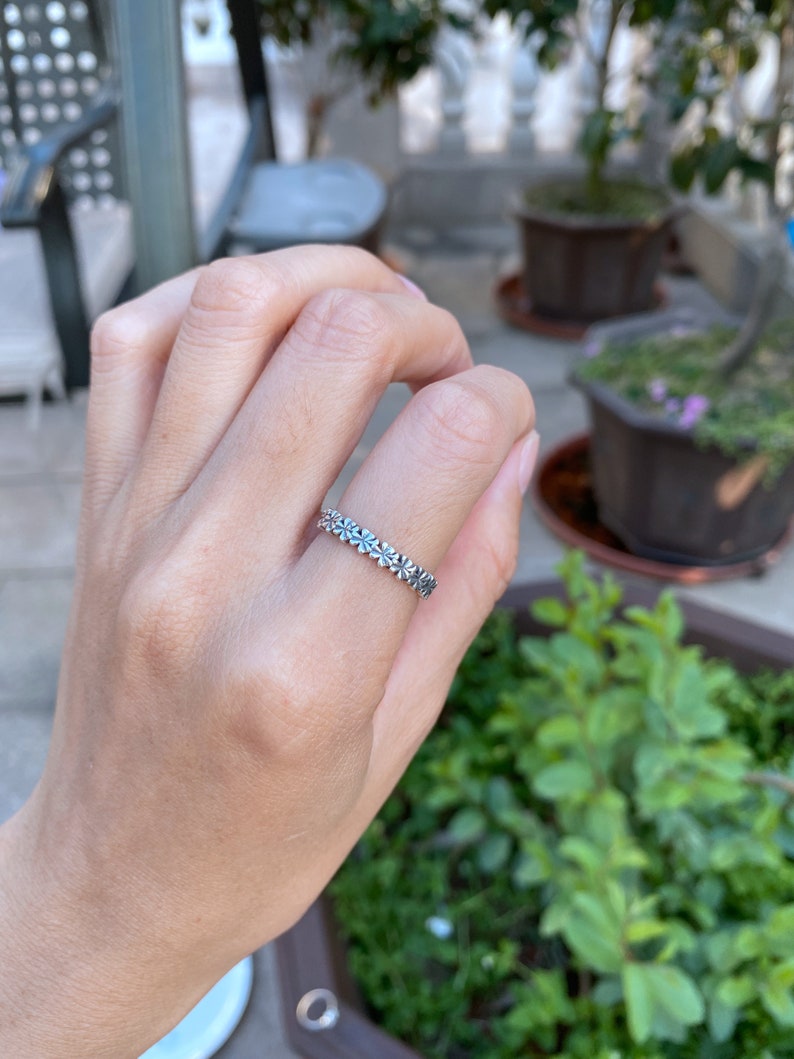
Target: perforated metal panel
[{"x": 53, "y": 63}]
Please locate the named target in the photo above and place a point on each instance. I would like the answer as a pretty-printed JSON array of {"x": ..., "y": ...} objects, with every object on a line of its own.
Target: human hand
[{"x": 240, "y": 692}]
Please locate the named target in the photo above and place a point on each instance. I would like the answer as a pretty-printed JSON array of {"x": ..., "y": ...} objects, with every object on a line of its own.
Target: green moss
[
  {"x": 753, "y": 412},
  {"x": 618, "y": 199}
]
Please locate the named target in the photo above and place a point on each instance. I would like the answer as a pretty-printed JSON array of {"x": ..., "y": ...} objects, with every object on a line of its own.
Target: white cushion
[{"x": 29, "y": 347}]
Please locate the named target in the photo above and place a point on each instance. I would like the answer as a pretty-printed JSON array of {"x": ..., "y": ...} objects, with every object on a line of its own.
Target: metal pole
[{"x": 148, "y": 43}]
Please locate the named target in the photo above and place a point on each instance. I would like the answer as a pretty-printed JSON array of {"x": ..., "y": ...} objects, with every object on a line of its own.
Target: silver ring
[
  {"x": 328, "y": 1015},
  {"x": 415, "y": 576}
]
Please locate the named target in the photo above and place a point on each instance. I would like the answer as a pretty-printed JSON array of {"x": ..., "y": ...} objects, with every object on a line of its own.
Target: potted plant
[
  {"x": 692, "y": 442},
  {"x": 592, "y": 244},
  {"x": 381, "y": 44},
  {"x": 592, "y": 856}
]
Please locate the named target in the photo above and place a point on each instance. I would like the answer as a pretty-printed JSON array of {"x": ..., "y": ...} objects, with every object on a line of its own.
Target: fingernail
[
  {"x": 529, "y": 457},
  {"x": 411, "y": 287}
]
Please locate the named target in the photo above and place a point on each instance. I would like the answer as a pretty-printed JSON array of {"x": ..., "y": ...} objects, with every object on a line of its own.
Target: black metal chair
[
  {"x": 270, "y": 204},
  {"x": 64, "y": 189},
  {"x": 72, "y": 250}
]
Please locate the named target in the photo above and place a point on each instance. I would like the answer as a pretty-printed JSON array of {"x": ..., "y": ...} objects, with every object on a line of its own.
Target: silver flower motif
[
  {"x": 428, "y": 584},
  {"x": 363, "y": 540},
  {"x": 403, "y": 568},
  {"x": 328, "y": 518},
  {"x": 384, "y": 553},
  {"x": 416, "y": 580},
  {"x": 343, "y": 528}
]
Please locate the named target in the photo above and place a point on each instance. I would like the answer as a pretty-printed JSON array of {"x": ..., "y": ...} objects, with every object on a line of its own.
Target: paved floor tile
[
  {"x": 260, "y": 1034},
  {"x": 37, "y": 524},
  {"x": 57, "y": 444},
  {"x": 24, "y": 738},
  {"x": 33, "y": 615}
]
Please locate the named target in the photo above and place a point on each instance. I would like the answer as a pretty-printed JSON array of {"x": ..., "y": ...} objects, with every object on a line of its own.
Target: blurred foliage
[
  {"x": 387, "y": 42},
  {"x": 592, "y": 856}
]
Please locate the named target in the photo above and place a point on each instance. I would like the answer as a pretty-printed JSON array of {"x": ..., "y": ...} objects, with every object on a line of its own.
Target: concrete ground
[{"x": 40, "y": 476}]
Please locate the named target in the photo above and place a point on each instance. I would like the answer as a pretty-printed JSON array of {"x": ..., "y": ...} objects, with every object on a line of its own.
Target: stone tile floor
[{"x": 40, "y": 476}]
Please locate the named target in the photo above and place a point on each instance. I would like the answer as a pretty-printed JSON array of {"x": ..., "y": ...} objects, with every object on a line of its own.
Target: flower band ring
[{"x": 367, "y": 543}]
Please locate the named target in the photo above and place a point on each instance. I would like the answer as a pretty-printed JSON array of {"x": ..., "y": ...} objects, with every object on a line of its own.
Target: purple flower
[
  {"x": 657, "y": 388},
  {"x": 672, "y": 407},
  {"x": 592, "y": 348},
  {"x": 695, "y": 407}
]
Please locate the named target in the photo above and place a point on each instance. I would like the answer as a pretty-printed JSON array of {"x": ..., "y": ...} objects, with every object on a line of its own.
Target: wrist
[{"x": 69, "y": 986}]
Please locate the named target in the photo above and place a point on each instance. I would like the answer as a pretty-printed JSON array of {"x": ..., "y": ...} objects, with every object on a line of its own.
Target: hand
[{"x": 240, "y": 691}]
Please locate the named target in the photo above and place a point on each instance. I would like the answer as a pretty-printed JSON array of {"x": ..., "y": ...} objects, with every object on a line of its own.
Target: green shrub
[{"x": 592, "y": 857}]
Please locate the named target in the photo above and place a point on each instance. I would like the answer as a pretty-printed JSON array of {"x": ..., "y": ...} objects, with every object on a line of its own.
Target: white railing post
[
  {"x": 453, "y": 59},
  {"x": 525, "y": 80}
]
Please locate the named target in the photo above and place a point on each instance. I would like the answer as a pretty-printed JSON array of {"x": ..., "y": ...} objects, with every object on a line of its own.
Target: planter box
[
  {"x": 664, "y": 496},
  {"x": 311, "y": 958},
  {"x": 588, "y": 268}
]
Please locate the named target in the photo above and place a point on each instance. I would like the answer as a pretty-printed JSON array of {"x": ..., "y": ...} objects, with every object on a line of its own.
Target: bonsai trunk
[
  {"x": 772, "y": 267},
  {"x": 598, "y": 154},
  {"x": 775, "y": 260}
]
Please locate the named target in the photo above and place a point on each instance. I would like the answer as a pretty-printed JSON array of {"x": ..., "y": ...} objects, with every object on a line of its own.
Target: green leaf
[
  {"x": 663, "y": 990},
  {"x": 499, "y": 796},
  {"x": 684, "y": 168},
  {"x": 565, "y": 779},
  {"x": 494, "y": 852},
  {"x": 593, "y": 931},
  {"x": 642, "y": 930},
  {"x": 563, "y": 730},
  {"x": 467, "y": 825},
  {"x": 778, "y": 1001},
  {"x": 586, "y": 854},
  {"x": 722, "y": 1020},
  {"x": 550, "y": 612},
  {"x": 736, "y": 991},
  {"x": 638, "y": 992},
  {"x": 719, "y": 161}
]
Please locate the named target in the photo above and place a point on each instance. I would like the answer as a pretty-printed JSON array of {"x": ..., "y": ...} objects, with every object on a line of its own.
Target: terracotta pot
[
  {"x": 577, "y": 267},
  {"x": 313, "y": 976}
]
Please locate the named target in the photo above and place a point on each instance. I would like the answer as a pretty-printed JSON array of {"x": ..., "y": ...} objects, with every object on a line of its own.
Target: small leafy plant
[{"x": 592, "y": 857}]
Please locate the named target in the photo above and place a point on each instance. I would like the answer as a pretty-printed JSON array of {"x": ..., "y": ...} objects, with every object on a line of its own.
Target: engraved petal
[
  {"x": 384, "y": 553},
  {"x": 403, "y": 567},
  {"x": 365, "y": 542},
  {"x": 344, "y": 527}
]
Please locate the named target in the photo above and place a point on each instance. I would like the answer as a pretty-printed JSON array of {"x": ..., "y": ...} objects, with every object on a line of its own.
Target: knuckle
[
  {"x": 159, "y": 618},
  {"x": 237, "y": 286},
  {"x": 460, "y": 413},
  {"x": 343, "y": 325},
  {"x": 282, "y": 710},
  {"x": 119, "y": 332}
]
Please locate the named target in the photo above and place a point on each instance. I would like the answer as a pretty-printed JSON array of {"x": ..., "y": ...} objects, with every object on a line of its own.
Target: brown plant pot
[
  {"x": 562, "y": 491},
  {"x": 669, "y": 500},
  {"x": 582, "y": 268},
  {"x": 311, "y": 956}
]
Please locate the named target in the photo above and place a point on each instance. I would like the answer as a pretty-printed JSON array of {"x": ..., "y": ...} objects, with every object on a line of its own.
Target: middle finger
[{"x": 308, "y": 411}]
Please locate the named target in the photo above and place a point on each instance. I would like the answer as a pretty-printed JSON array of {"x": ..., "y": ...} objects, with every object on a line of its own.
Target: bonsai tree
[
  {"x": 563, "y": 25},
  {"x": 730, "y": 391},
  {"x": 716, "y": 50},
  {"x": 605, "y": 235},
  {"x": 383, "y": 43}
]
